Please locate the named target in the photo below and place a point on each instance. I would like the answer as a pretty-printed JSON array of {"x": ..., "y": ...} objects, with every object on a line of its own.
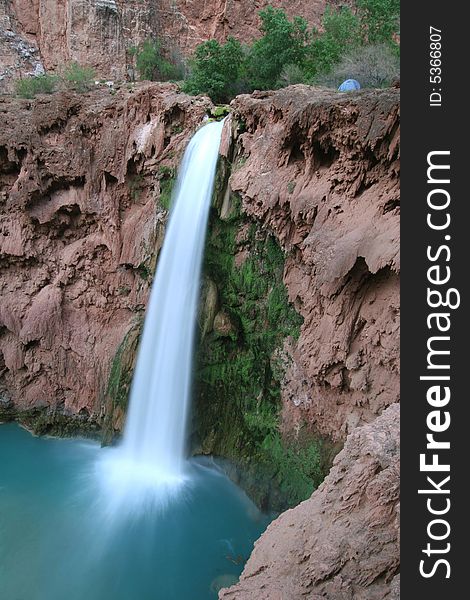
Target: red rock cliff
[
  {"x": 80, "y": 176},
  {"x": 81, "y": 219},
  {"x": 80, "y": 225},
  {"x": 320, "y": 170},
  {"x": 51, "y": 33}
]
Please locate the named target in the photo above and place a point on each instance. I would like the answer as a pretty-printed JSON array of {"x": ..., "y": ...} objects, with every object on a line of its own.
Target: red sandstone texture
[
  {"x": 320, "y": 170},
  {"x": 19, "y": 52},
  {"x": 342, "y": 543},
  {"x": 50, "y": 33},
  {"x": 80, "y": 225}
]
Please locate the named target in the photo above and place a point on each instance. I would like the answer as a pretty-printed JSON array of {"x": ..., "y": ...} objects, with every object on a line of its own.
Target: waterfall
[{"x": 153, "y": 448}]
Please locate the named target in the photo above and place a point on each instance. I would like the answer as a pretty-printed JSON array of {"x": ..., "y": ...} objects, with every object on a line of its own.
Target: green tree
[
  {"x": 341, "y": 34},
  {"x": 150, "y": 63},
  {"x": 284, "y": 42},
  {"x": 380, "y": 20},
  {"x": 216, "y": 69}
]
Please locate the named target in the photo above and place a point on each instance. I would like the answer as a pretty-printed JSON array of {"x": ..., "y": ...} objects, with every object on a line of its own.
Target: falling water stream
[
  {"x": 139, "y": 521},
  {"x": 160, "y": 395},
  {"x": 150, "y": 466}
]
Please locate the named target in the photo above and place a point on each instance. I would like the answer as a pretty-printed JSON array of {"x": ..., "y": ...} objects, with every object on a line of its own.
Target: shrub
[
  {"x": 29, "y": 87},
  {"x": 373, "y": 66},
  {"x": 284, "y": 42},
  {"x": 78, "y": 77},
  {"x": 151, "y": 65},
  {"x": 290, "y": 75},
  {"x": 216, "y": 69}
]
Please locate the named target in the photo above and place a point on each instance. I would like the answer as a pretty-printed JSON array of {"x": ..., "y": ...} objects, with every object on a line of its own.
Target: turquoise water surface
[{"x": 58, "y": 541}]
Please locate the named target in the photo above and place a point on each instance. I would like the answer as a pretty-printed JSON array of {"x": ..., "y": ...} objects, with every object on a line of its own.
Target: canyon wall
[
  {"x": 82, "y": 221},
  {"x": 47, "y": 34},
  {"x": 320, "y": 171},
  {"x": 307, "y": 205},
  {"x": 308, "y": 217}
]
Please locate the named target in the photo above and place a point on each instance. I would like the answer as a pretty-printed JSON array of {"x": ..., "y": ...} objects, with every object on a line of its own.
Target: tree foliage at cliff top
[
  {"x": 283, "y": 42},
  {"x": 291, "y": 52},
  {"x": 216, "y": 69}
]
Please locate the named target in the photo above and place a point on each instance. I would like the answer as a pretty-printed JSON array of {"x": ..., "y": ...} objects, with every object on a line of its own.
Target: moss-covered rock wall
[{"x": 241, "y": 361}]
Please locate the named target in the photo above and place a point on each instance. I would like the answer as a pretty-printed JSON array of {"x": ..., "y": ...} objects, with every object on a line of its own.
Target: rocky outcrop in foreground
[{"x": 342, "y": 543}]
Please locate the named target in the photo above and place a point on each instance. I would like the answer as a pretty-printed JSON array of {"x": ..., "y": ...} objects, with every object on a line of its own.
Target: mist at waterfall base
[
  {"x": 138, "y": 521},
  {"x": 56, "y": 542}
]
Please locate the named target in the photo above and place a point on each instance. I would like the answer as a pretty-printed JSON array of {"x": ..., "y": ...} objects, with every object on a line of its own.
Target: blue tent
[{"x": 350, "y": 85}]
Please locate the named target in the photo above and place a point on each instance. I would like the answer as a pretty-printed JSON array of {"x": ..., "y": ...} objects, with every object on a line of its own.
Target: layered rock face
[
  {"x": 81, "y": 222},
  {"x": 194, "y": 22},
  {"x": 97, "y": 33},
  {"x": 342, "y": 543},
  {"x": 320, "y": 171},
  {"x": 100, "y": 33}
]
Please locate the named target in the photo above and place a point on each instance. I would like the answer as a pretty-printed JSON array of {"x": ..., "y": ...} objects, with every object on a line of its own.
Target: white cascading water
[{"x": 152, "y": 453}]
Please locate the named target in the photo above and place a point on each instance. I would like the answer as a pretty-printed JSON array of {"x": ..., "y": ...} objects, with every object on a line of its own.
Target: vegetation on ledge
[
  {"x": 290, "y": 52},
  {"x": 73, "y": 77}
]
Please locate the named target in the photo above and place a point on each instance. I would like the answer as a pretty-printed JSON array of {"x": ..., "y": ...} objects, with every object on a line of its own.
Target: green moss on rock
[
  {"x": 167, "y": 178},
  {"x": 220, "y": 111},
  {"x": 49, "y": 421},
  {"x": 238, "y": 389},
  {"x": 119, "y": 382}
]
